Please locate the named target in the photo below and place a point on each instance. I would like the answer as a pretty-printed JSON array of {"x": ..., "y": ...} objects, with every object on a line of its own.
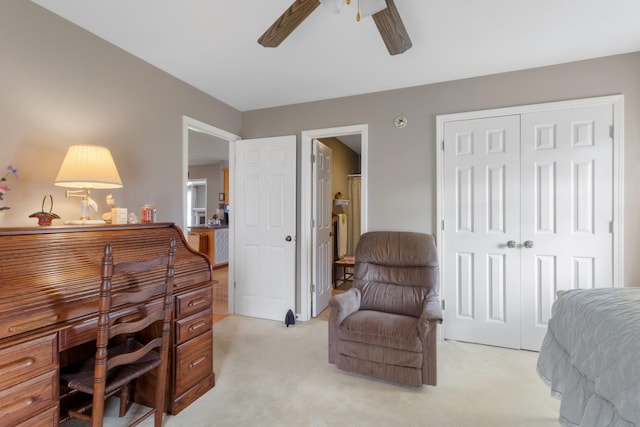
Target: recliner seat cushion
[{"x": 382, "y": 329}]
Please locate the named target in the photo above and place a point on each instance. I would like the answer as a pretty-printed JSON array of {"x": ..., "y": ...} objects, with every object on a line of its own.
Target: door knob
[
  {"x": 511, "y": 244},
  {"x": 288, "y": 238},
  {"x": 528, "y": 244}
]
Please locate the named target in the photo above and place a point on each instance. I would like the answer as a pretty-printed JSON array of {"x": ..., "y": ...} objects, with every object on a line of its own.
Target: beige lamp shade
[{"x": 88, "y": 166}]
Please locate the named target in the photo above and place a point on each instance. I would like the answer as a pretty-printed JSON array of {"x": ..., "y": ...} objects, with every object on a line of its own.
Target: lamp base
[{"x": 84, "y": 222}]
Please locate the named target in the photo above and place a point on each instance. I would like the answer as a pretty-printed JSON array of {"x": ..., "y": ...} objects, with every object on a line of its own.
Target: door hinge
[
  {"x": 443, "y": 145},
  {"x": 234, "y": 285},
  {"x": 443, "y": 304},
  {"x": 443, "y": 225},
  {"x": 611, "y": 131},
  {"x": 313, "y": 158},
  {"x": 313, "y": 223},
  {"x": 313, "y": 287},
  {"x": 611, "y": 227}
]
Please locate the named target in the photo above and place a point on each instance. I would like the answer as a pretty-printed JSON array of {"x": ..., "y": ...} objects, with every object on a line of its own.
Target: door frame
[
  {"x": 306, "y": 181},
  {"x": 616, "y": 101},
  {"x": 188, "y": 124}
]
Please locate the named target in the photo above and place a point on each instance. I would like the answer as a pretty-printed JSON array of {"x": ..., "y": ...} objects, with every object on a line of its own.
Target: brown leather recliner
[{"x": 385, "y": 325}]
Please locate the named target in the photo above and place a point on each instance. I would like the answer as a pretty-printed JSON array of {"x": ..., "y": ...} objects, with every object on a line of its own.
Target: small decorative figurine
[{"x": 45, "y": 218}]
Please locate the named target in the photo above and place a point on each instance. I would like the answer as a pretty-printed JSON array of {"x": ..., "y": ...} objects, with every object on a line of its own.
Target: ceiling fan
[{"x": 387, "y": 19}]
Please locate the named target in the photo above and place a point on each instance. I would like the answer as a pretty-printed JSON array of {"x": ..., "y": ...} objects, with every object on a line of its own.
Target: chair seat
[
  {"x": 383, "y": 329},
  {"x": 80, "y": 377}
]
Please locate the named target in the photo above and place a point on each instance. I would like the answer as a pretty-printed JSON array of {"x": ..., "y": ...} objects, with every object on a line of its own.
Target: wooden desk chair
[{"x": 121, "y": 356}]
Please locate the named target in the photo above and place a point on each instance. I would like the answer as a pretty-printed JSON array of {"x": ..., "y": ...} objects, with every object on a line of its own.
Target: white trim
[
  {"x": 305, "y": 199},
  {"x": 618, "y": 190},
  {"x": 189, "y": 123},
  {"x": 617, "y": 101}
]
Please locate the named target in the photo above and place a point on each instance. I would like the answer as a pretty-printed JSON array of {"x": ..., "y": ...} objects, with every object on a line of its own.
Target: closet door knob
[
  {"x": 288, "y": 238},
  {"x": 528, "y": 244},
  {"x": 511, "y": 244}
]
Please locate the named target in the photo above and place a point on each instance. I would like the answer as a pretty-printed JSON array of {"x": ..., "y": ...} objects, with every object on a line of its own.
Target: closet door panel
[{"x": 567, "y": 183}]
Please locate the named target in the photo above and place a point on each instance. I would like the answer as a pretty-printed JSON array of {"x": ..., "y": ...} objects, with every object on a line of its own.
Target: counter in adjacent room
[{"x": 212, "y": 241}]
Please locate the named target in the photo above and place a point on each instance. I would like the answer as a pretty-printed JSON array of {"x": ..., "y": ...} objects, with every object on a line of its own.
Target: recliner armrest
[
  {"x": 345, "y": 304},
  {"x": 431, "y": 311}
]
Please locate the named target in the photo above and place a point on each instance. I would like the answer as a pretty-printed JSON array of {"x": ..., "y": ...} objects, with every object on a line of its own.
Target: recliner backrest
[{"x": 396, "y": 271}]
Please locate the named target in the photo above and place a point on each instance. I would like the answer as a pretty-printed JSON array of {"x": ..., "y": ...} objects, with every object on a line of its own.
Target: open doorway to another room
[
  {"x": 345, "y": 207},
  {"x": 328, "y": 271},
  {"x": 207, "y": 202}
]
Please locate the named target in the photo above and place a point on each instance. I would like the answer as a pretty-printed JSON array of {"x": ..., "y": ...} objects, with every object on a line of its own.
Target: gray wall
[
  {"x": 60, "y": 85},
  {"x": 402, "y": 162},
  {"x": 215, "y": 183}
]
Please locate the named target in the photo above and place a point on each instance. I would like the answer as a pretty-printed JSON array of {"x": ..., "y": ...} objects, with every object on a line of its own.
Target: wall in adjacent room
[
  {"x": 214, "y": 175},
  {"x": 345, "y": 161},
  {"x": 60, "y": 85}
]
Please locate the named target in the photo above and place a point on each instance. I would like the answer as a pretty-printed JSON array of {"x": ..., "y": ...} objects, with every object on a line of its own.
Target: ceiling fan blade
[
  {"x": 392, "y": 29},
  {"x": 287, "y": 22}
]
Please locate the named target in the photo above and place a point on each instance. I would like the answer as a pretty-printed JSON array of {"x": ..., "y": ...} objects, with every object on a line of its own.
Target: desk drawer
[
  {"x": 27, "y": 359},
  {"x": 192, "y": 395},
  {"x": 194, "y": 361},
  {"x": 193, "y": 302},
  {"x": 32, "y": 322},
  {"x": 23, "y": 401},
  {"x": 193, "y": 326},
  {"x": 48, "y": 418}
]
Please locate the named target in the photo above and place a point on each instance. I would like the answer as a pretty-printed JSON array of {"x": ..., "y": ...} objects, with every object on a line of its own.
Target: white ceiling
[{"x": 212, "y": 44}]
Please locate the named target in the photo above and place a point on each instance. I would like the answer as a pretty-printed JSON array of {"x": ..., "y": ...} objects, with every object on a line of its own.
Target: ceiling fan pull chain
[{"x": 358, "y": 14}]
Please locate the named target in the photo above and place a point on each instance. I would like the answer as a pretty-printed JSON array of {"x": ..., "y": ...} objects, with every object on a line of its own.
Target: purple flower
[{"x": 13, "y": 171}]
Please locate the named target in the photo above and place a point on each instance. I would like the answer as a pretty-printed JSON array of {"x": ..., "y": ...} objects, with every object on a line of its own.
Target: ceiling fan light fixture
[
  {"x": 371, "y": 7},
  {"x": 333, "y": 6}
]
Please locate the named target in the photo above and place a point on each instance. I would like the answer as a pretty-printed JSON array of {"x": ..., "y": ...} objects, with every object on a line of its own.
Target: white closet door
[
  {"x": 481, "y": 272},
  {"x": 567, "y": 184}
]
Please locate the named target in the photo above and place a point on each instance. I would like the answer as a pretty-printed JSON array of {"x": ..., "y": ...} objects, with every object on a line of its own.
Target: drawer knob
[
  {"x": 17, "y": 405},
  {"x": 16, "y": 365},
  {"x": 196, "y": 302},
  {"x": 197, "y": 362},
  {"x": 197, "y": 325}
]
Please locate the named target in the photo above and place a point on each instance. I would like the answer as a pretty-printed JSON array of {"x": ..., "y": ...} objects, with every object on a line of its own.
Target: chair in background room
[
  {"x": 385, "y": 325},
  {"x": 129, "y": 343}
]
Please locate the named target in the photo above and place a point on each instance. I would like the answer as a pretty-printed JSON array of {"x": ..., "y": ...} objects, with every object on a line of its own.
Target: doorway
[
  {"x": 347, "y": 134},
  {"x": 204, "y": 145}
]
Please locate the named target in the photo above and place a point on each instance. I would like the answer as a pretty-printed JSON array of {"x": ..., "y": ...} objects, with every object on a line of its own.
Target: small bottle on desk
[{"x": 148, "y": 213}]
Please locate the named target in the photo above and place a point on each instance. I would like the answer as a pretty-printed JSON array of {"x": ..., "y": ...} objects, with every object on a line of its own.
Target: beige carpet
[{"x": 270, "y": 375}]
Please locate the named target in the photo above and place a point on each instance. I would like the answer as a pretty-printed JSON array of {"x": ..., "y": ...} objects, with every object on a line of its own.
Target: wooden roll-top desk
[{"x": 49, "y": 284}]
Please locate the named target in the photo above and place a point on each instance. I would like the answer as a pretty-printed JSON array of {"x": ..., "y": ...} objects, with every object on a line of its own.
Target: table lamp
[{"x": 87, "y": 167}]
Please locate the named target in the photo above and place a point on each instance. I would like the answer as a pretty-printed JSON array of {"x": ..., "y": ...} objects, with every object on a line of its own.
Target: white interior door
[
  {"x": 481, "y": 270},
  {"x": 322, "y": 253},
  {"x": 265, "y": 226},
  {"x": 567, "y": 183}
]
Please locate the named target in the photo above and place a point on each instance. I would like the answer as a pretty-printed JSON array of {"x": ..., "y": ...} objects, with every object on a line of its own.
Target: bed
[{"x": 590, "y": 357}]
